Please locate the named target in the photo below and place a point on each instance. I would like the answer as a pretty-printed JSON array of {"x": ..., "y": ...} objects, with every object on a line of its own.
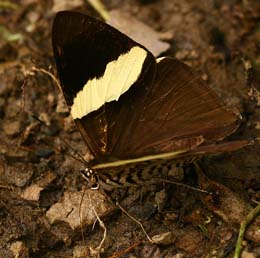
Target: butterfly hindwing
[{"x": 179, "y": 110}]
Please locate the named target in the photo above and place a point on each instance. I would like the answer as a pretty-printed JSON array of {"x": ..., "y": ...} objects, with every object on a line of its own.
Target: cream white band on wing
[
  {"x": 118, "y": 77},
  {"x": 159, "y": 59}
]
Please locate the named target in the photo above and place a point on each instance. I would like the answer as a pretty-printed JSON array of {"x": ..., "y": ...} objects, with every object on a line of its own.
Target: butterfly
[{"x": 130, "y": 107}]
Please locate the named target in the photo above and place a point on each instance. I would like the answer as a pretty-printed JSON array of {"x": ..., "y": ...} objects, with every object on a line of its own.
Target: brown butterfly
[{"x": 131, "y": 108}]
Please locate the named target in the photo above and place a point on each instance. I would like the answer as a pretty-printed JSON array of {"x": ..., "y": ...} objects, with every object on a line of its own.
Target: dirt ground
[{"x": 43, "y": 211}]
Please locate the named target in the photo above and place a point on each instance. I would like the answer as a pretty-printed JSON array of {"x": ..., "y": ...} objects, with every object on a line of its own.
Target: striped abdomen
[{"x": 140, "y": 173}]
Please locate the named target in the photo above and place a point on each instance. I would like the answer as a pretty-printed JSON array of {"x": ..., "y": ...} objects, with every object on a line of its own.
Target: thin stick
[
  {"x": 49, "y": 74},
  {"x": 243, "y": 226},
  {"x": 23, "y": 92},
  {"x": 6, "y": 187},
  {"x": 183, "y": 185},
  {"x": 80, "y": 217},
  {"x": 135, "y": 220}
]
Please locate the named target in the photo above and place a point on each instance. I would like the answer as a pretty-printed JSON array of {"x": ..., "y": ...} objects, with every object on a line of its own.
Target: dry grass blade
[
  {"x": 8, "y": 5},
  {"x": 244, "y": 224},
  {"x": 100, "y": 8}
]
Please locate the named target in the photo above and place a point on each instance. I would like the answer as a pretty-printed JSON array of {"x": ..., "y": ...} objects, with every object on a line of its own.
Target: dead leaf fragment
[
  {"x": 77, "y": 211},
  {"x": 138, "y": 31},
  {"x": 65, "y": 5},
  {"x": 189, "y": 242},
  {"x": 164, "y": 238},
  {"x": 19, "y": 249},
  {"x": 32, "y": 193},
  {"x": 228, "y": 205}
]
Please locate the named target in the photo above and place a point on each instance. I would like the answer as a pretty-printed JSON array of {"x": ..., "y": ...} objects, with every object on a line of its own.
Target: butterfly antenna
[
  {"x": 80, "y": 157},
  {"x": 56, "y": 81},
  {"x": 76, "y": 155},
  {"x": 31, "y": 72}
]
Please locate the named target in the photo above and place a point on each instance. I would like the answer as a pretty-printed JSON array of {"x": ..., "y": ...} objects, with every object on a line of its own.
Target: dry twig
[{"x": 135, "y": 220}]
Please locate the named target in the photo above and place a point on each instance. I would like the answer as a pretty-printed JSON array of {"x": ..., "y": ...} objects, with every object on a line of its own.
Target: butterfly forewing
[
  {"x": 102, "y": 72},
  {"x": 124, "y": 103}
]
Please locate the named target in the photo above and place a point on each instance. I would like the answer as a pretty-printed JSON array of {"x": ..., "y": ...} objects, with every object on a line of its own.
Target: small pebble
[
  {"x": 12, "y": 128},
  {"x": 143, "y": 212},
  {"x": 81, "y": 251},
  {"x": 44, "y": 153}
]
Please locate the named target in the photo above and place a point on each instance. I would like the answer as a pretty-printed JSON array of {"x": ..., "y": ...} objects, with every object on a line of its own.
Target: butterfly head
[{"x": 92, "y": 178}]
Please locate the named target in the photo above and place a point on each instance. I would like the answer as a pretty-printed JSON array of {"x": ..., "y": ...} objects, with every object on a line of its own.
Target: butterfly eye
[{"x": 91, "y": 177}]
